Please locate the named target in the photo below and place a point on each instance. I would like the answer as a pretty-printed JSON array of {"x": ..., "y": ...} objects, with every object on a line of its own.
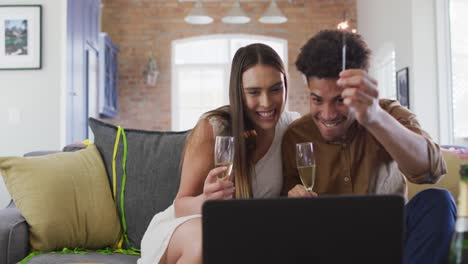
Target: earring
[{"x": 249, "y": 133}]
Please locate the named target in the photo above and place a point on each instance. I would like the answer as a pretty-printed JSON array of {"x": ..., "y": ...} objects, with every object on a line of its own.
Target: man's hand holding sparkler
[
  {"x": 407, "y": 148},
  {"x": 360, "y": 94}
]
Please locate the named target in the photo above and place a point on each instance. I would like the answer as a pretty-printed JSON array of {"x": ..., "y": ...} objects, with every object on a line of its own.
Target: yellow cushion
[
  {"x": 449, "y": 182},
  {"x": 65, "y": 198}
]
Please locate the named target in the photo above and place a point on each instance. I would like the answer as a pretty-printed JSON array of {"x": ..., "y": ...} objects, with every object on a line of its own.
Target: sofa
[{"x": 152, "y": 160}]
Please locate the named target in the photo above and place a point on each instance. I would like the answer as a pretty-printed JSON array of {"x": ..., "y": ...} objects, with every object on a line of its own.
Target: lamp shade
[
  {"x": 236, "y": 15},
  {"x": 198, "y": 15},
  {"x": 273, "y": 15}
]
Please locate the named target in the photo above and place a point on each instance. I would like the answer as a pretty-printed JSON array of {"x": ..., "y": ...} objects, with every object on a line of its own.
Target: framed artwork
[
  {"x": 20, "y": 37},
  {"x": 402, "y": 80}
]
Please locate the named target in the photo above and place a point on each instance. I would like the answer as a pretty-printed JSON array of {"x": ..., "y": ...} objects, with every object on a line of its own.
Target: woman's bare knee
[{"x": 185, "y": 245}]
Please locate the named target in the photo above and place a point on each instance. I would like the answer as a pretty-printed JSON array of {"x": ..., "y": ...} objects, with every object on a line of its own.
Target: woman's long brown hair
[{"x": 244, "y": 59}]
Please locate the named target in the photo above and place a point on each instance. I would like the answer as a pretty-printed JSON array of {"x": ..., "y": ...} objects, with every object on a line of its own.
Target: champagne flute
[
  {"x": 224, "y": 154},
  {"x": 305, "y": 162}
]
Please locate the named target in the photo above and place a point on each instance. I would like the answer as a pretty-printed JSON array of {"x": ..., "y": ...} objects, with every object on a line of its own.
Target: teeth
[
  {"x": 328, "y": 124},
  {"x": 266, "y": 114}
]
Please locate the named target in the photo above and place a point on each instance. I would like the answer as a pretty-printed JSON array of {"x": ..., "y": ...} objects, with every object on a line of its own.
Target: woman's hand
[
  {"x": 299, "y": 191},
  {"x": 215, "y": 189}
]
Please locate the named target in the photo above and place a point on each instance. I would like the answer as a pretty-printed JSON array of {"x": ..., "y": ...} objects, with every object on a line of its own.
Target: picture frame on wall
[
  {"x": 20, "y": 37},
  {"x": 402, "y": 81}
]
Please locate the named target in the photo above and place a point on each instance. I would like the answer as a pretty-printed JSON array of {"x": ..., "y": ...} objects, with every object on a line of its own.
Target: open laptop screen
[{"x": 338, "y": 229}]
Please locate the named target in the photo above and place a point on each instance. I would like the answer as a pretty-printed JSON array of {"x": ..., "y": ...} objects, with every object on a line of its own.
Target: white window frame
[
  {"x": 227, "y": 68},
  {"x": 175, "y": 84},
  {"x": 444, "y": 72}
]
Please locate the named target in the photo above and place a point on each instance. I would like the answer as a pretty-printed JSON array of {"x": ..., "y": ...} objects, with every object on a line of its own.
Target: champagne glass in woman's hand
[
  {"x": 224, "y": 154},
  {"x": 305, "y": 162}
]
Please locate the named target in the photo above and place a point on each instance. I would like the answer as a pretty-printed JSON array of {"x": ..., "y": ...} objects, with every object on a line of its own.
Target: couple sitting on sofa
[{"x": 363, "y": 145}]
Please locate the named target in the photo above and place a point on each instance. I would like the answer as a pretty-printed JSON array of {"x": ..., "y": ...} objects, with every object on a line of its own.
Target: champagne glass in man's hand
[
  {"x": 305, "y": 162},
  {"x": 224, "y": 154}
]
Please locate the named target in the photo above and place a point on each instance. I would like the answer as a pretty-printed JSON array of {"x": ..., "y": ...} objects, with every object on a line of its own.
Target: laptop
[{"x": 338, "y": 229}]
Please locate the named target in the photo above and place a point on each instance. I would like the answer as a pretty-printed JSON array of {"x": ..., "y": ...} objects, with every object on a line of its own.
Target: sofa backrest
[
  {"x": 40, "y": 153},
  {"x": 451, "y": 180},
  {"x": 152, "y": 166}
]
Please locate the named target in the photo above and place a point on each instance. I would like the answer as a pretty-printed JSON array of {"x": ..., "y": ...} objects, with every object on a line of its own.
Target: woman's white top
[{"x": 267, "y": 182}]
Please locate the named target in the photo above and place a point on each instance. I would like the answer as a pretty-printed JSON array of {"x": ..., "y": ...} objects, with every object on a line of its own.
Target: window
[
  {"x": 200, "y": 73},
  {"x": 459, "y": 55}
]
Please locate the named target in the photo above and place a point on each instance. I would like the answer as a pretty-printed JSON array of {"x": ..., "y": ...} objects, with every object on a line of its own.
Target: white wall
[
  {"x": 31, "y": 104},
  {"x": 425, "y": 94},
  {"x": 408, "y": 27}
]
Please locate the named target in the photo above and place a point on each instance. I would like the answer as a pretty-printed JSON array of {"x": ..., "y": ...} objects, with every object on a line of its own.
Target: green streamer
[
  {"x": 131, "y": 250},
  {"x": 122, "y": 187}
]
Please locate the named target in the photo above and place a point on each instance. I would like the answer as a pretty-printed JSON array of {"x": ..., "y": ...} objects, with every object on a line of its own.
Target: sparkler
[{"x": 343, "y": 26}]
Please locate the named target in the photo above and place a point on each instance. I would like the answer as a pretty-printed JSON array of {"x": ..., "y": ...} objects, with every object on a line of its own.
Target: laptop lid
[{"x": 338, "y": 229}]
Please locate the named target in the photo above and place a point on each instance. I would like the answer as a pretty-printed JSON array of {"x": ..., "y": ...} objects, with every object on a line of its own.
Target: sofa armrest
[
  {"x": 11, "y": 204},
  {"x": 14, "y": 236}
]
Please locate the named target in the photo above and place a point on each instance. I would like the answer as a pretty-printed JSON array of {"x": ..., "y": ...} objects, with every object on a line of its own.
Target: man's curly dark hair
[{"x": 321, "y": 56}]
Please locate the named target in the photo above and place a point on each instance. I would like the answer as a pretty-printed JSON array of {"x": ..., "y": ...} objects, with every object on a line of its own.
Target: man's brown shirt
[{"x": 358, "y": 164}]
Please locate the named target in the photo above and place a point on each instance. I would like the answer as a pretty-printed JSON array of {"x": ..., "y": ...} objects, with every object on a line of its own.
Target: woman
[{"x": 255, "y": 117}]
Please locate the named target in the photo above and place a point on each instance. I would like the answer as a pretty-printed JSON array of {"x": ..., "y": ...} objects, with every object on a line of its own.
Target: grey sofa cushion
[
  {"x": 14, "y": 236},
  {"x": 152, "y": 171},
  {"x": 83, "y": 258}
]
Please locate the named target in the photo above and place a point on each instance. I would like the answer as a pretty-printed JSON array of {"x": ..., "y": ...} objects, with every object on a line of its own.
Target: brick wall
[{"x": 142, "y": 27}]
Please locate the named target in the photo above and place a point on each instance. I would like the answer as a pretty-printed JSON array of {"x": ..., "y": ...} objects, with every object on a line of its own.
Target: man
[{"x": 364, "y": 145}]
